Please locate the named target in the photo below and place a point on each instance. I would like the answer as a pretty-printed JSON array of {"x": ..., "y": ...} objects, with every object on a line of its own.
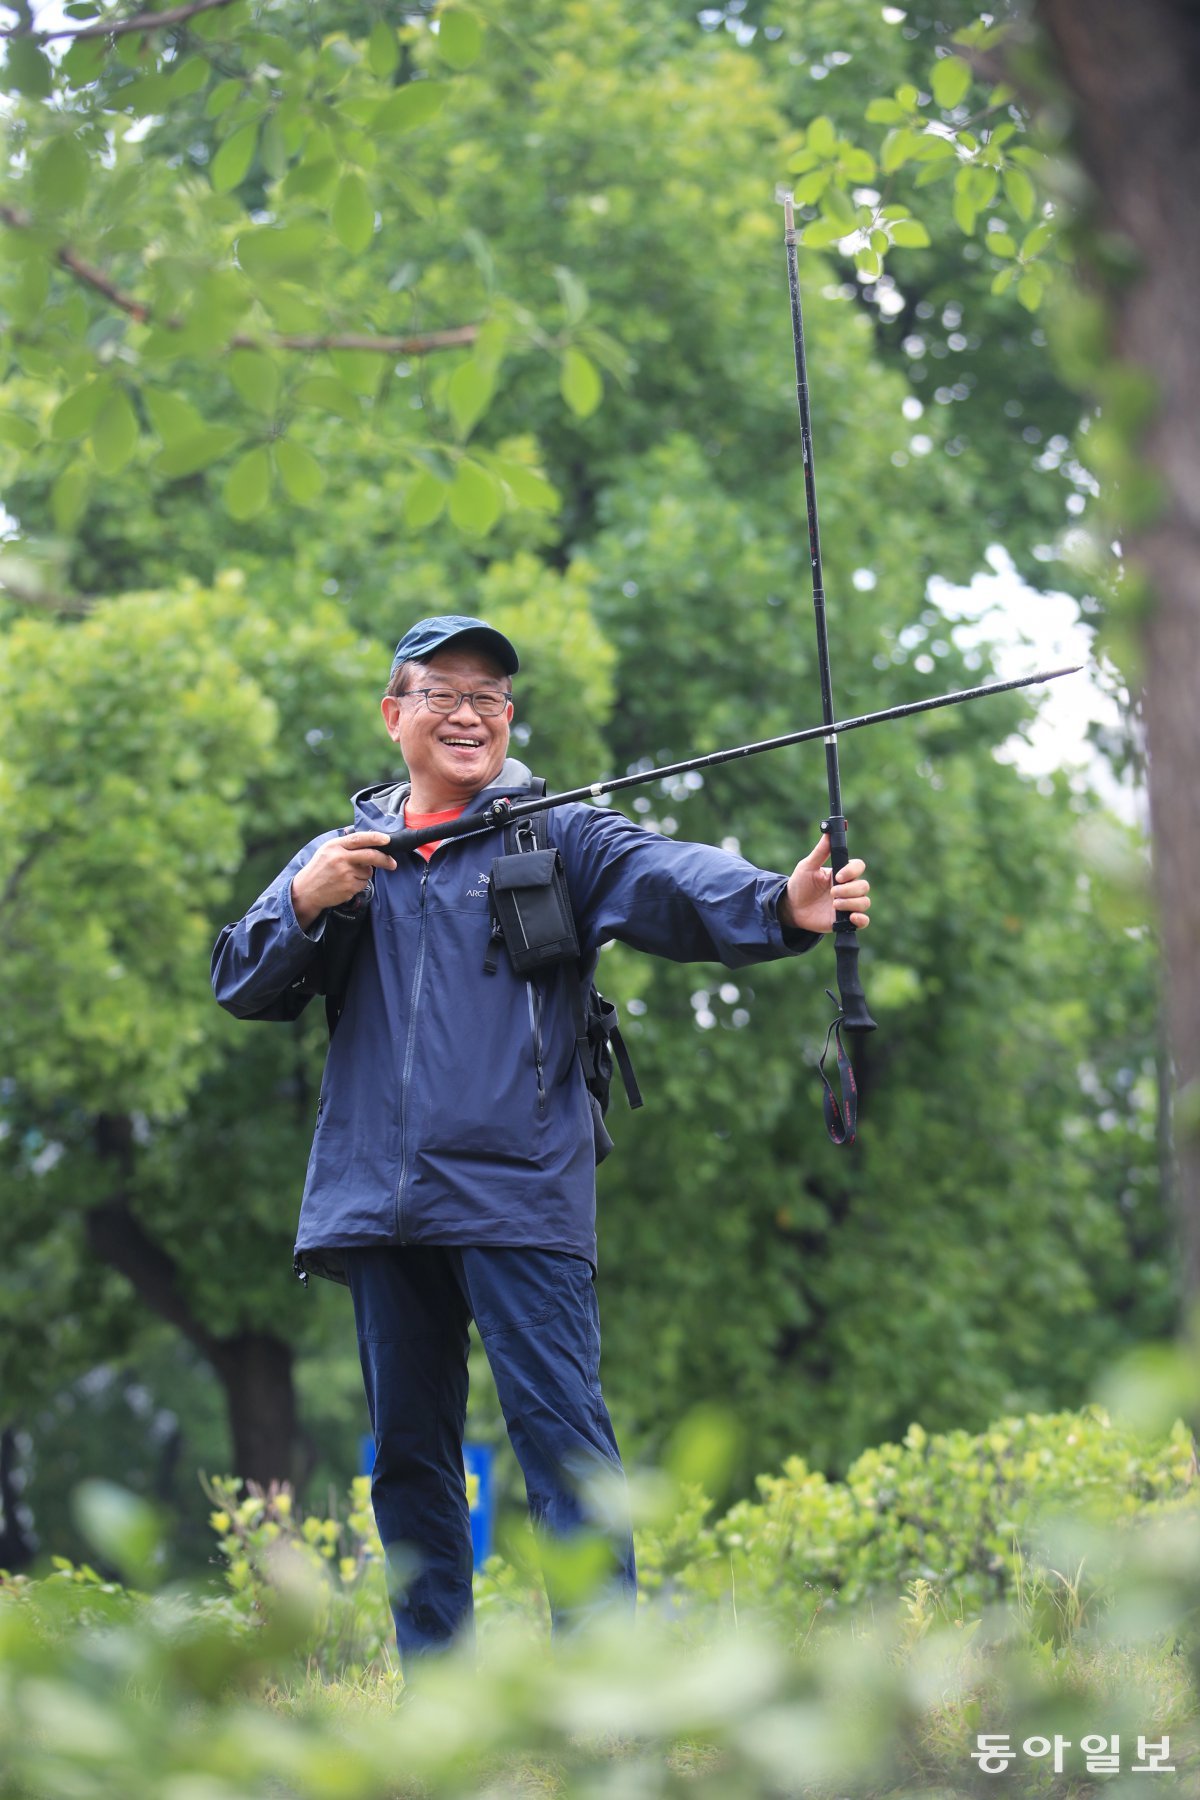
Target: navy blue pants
[{"x": 537, "y": 1316}]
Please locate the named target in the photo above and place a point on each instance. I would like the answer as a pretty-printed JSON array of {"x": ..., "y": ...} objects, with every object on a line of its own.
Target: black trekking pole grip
[
  {"x": 855, "y": 1012},
  {"x": 466, "y": 825}
]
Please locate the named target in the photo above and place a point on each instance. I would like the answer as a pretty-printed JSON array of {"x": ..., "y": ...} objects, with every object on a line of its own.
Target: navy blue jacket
[{"x": 453, "y": 1110}]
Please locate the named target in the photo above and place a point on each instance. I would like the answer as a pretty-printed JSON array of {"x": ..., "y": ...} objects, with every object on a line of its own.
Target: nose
[{"x": 465, "y": 704}]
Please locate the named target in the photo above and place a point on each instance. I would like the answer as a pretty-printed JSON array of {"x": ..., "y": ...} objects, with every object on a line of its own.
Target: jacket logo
[{"x": 479, "y": 892}]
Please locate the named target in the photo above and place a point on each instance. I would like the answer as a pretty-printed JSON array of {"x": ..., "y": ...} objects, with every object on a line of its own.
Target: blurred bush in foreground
[{"x": 848, "y": 1638}]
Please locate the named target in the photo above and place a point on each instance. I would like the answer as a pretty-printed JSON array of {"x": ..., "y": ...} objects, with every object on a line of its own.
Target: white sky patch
[{"x": 1024, "y": 631}]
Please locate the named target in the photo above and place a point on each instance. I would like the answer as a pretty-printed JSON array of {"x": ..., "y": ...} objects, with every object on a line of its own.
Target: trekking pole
[
  {"x": 854, "y": 1012},
  {"x": 503, "y": 811}
]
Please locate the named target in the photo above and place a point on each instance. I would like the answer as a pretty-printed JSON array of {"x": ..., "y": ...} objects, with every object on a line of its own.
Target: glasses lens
[{"x": 446, "y": 700}]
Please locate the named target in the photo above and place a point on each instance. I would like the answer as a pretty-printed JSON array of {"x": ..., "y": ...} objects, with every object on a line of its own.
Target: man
[{"x": 452, "y": 1172}]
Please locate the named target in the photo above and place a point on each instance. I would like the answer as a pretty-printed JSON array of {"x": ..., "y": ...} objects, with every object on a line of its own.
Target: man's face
[{"x": 449, "y": 756}]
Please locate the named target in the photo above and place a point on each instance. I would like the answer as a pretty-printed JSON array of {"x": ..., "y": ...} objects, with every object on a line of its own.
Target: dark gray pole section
[
  {"x": 855, "y": 1013},
  {"x": 504, "y": 812}
]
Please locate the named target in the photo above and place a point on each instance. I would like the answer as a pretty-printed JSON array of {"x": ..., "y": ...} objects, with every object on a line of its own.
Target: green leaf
[
  {"x": 188, "y": 77},
  {"x": 475, "y": 499},
  {"x": 469, "y": 394},
  {"x": 858, "y": 164},
  {"x": 222, "y": 98},
  {"x": 232, "y": 162},
  {"x": 951, "y": 79},
  {"x": 361, "y": 370},
  {"x": 880, "y": 242},
  {"x": 529, "y": 488},
  {"x": 353, "y": 216},
  {"x": 383, "y": 50},
  {"x": 266, "y": 252},
  {"x": 964, "y": 212},
  {"x": 68, "y": 496},
  {"x": 27, "y": 293},
  {"x": 301, "y": 473},
  {"x": 273, "y": 149},
  {"x": 1029, "y": 292},
  {"x": 60, "y": 175},
  {"x": 823, "y": 232},
  {"x": 192, "y": 454},
  {"x": 27, "y": 71},
  {"x": 811, "y": 187},
  {"x": 910, "y": 234},
  {"x": 1004, "y": 279},
  {"x": 1000, "y": 244},
  {"x": 898, "y": 146},
  {"x": 574, "y": 294},
  {"x": 329, "y": 394},
  {"x": 459, "y": 38},
  {"x": 908, "y": 96},
  {"x": 821, "y": 136},
  {"x": 75, "y": 415},
  {"x": 886, "y": 112},
  {"x": 580, "y": 383},
  {"x": 837, "y": 204},
  {"x": 21, "y": 433},
  {"x": 1036, "y": 240},
  {"x": 248, "y": 484},
  {"x": 83, "y": 61},
  {"x": 425, "y": 501},
  {"x": 411, "y": 105},
  {"x": 867, "y": 263},
  {"x": 311, "y": 180},
  {"x": 145, "y": 95},
  {"x": 172, "y": 417},
  {"x": 121, "y": 1526},
  {"x": 256, "y": 378},
  {"x": 115, "y": 433},
  {"x": 1020, "y": 191}
]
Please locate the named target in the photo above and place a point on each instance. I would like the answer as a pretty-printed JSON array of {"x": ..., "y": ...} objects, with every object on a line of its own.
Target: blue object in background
[{"x": 477, "y": 1460}]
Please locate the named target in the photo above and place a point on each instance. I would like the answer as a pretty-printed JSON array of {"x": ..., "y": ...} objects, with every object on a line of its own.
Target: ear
[{"x": 390, "y": 707}]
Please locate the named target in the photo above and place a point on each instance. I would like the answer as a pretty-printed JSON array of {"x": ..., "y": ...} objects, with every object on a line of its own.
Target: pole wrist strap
[{"x": 841, "y": 1117}]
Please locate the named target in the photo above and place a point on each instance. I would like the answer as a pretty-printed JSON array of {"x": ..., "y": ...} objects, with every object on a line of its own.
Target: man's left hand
[{"x": 812, "y": 898}]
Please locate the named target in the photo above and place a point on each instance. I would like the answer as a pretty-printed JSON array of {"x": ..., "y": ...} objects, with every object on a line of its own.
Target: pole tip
[{"x": 785, "y": 198}]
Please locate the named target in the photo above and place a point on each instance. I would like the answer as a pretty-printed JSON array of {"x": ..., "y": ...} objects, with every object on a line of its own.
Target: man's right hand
[{"x": 340, "y": 869}]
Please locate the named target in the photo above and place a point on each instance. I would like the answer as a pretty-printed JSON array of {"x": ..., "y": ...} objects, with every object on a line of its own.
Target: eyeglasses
[{"x": 488, "y": 704}]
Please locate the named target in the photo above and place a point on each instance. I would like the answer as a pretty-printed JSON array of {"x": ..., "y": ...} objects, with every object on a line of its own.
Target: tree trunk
[
  {"x": 254, "y": 1368},
  {"x": 1134, "y": 72},
  {"x": 256, "y": 1372}
]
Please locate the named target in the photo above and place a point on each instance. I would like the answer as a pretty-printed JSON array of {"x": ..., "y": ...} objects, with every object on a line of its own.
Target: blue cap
[{"x": 428, "y": 635}]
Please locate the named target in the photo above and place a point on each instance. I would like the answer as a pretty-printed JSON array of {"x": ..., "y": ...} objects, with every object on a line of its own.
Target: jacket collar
[{"x": 385, "y": 799}]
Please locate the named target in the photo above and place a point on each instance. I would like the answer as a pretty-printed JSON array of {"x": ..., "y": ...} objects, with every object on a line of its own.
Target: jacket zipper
[
  {"x": 535, "y": 1029},
  {"x": 409, "y": 1052}
]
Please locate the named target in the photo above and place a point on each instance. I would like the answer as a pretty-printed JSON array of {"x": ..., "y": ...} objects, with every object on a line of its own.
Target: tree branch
[
  {"x": 117, "y": 1237},
  {"x": 421, "y": 343},
  {"x": 111, "y": 28},
  {"x": 418, "y": 345},
  {"x": 77, "y": 605}
]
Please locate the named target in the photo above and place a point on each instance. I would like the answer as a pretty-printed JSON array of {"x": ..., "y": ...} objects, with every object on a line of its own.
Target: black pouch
[{"x": 531, "y": 911}]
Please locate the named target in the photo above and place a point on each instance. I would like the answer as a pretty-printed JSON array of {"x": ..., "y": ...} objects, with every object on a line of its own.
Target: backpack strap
[{"x": 595, "y": 1017}]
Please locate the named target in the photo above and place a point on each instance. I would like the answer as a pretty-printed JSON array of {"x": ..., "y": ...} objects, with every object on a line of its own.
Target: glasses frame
[{"x": 459, "y": 696}]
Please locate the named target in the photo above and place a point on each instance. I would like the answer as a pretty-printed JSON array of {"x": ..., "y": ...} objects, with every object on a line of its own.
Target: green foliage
[
  {"x": 108, "y": 1690},
  {"x": 958, "y": 1511},
  {"x": 611, "y": 469}
]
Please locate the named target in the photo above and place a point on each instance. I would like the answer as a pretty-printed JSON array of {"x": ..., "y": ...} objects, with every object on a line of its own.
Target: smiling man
[{"x": 452, "y": 1172}]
